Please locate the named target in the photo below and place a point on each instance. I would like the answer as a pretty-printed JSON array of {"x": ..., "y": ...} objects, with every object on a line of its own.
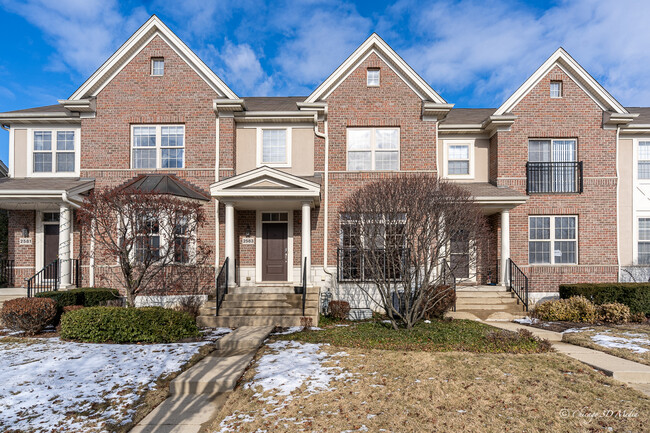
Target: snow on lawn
[
  {"x": 50, "y": 385},
  {"x": 633, "y": 342}
]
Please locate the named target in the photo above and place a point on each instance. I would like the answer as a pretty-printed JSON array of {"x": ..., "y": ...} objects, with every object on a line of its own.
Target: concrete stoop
[
  {"x": 486, "y": 303},
  {"x": 261, "y": 306},
  {"x": 198, "y": 393}
]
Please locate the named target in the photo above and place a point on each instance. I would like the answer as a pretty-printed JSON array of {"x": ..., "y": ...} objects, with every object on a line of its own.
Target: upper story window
[
  {"x": 556, "y": 89},
  {"x": 459, "y": 158},
  {"x": 53, "y": 151},
  {"x": 274, "y": 147},
  {"x": 552, "y": 240},
  {"x": 157, "y": 66},
  {"x": 158, "y": 146},
  {"x": 552, "y": 166},
  {"x": 643, "y": 171},
  {"x": 372, "y": 78},
  {"x": 373, "y": 148}
]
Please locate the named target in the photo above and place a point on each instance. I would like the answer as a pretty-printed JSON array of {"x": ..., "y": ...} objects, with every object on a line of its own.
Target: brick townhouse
[{"x": 561, "y": 169}]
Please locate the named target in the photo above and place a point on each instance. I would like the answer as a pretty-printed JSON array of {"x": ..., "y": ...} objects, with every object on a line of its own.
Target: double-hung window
[
  {"x": 458, "y": 160},
  {"x": 553, "y": 166},
  {"x": 643, "y": 164},
  {"x": 552, "y": 240},
  {"x": 373, "y": 149},
  {"x": 181, "y": 242},
  {"x": 147, "y": 246},
  {"x": 274, "y": 148},
  {"x": 643, "y": 253},
  {"x": 158, "y": 146},
  {"x": 53, "y": 151}
]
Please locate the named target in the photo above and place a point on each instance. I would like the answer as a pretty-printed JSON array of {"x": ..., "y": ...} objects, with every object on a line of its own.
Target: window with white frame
[
  {"x": 556, "y": 89},
  {"x": 373, "y": 148},
  {"x": 458, "y": 160},
  {"x": 372, "y": 78},
  {"x": 147, "y": 246},
  {"x": 53, "y": 151},
  {"x": 158, "y": 66},
  {"x": 552, "y": 240},
  {"x": 158, "y": 146},
  {"x": 643, "y": 246},
  {"x": 274, "y": 147},
  {"x": 181, "y": 242},
  {"x": 643, "y": 163}
]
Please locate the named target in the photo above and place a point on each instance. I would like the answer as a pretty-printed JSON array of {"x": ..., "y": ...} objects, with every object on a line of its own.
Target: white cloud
[{"x": 84, "y": 33}]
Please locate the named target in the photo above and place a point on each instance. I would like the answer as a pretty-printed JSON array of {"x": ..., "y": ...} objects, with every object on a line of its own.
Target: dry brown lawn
[
  {"x": 638, "y": 335},
  {"x": 399, "y": 391}
]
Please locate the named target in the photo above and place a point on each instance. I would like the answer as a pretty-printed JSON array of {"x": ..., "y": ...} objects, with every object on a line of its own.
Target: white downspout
[
  {"x": 324, "y": 135},
  {"x": 618, "y": 225}
]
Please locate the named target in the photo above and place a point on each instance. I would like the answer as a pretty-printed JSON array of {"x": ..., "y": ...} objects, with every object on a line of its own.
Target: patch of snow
[
  {"x": 427, "y": 321},
  {"x": 572, "y": 330},
  {"x": 526, "y": 321},
  {"x": 44, "y": 380},
  {"x": 294, "y": 329},
  {"x": 632, "y": 343},
  {"x": 461, "y": 411},
  {"x": 341, "y": 325}
]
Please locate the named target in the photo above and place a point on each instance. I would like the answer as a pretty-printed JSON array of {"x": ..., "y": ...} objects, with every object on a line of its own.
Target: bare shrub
[
  {"x": 339, "y": 309},
  {"x": 30, "y": 315},
  {"x": 189, "y": 304},
  {"x": 306, "y": 323}
]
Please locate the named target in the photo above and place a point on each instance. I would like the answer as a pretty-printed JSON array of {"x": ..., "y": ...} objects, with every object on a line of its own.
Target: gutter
[
  {"x": 618, "y": 225},
  {"x": 324, "y": 135}
]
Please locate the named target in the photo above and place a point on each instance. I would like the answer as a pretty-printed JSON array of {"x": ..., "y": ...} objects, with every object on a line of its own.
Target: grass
[
  {"x": 401, "y": 391},
  {"x": 584, "y": 338},
  {"x": 437, "y": 336}
]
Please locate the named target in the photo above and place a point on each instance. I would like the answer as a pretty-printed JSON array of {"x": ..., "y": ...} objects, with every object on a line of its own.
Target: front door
[
  {"x": 51, "y": 241},
  {"x": 274, "y": 251},
  {"x": 459, "y": 255}
]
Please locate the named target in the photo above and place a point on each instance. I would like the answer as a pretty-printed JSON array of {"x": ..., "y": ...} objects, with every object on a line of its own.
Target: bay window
[{"x": 373, "y": 148}]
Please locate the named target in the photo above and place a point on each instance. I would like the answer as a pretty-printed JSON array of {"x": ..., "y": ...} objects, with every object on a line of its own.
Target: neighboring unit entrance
[
  {"x": 50, "y": 237},
  {"x": 274, "y": 246}
]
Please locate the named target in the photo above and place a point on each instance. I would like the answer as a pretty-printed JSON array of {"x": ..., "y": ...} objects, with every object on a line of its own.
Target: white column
[
  {"x": 65, "y": 224},
  {"x": 306, "y": 238},
  {"x": 230, "y": 242},
  {"x": 505, "y": 246}
]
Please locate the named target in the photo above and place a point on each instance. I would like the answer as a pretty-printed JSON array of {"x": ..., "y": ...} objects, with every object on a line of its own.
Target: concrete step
[
  {"x": 486, "y": 301},
  {"x": 497, "y": 307},
  {"x": 239, "y": 297},
  {"x": 264, "y": 311},
  {"x": 497, "y": 316},
  {"x": 264, "y": 304},
  {"x": 490, "y": 294},
  {"x": 238, "y": 321},
  {"x": 279, "y": 289},
  {"x": 481, "y": 289}
]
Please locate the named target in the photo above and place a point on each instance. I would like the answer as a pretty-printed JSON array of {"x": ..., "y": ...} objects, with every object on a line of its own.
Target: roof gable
[
  {"x": 265, "y": 181},
  {"x": 577, "y": 73},
  {"x": 153, "y": 27},
  {"x": 375, "y": 44}
]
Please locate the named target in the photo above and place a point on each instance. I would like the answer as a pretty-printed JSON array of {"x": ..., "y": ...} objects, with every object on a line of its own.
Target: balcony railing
[{"x": 553, "y": 177}]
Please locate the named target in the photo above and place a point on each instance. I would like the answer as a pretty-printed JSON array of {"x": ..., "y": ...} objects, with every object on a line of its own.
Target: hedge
[
  {"x": 86, "y": 296},
  {"x": 127, "y": 325},
  {"x": 634, "y": 295}
]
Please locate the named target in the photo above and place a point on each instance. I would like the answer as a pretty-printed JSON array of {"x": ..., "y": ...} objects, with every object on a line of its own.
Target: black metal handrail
[
  {"x": 448, "y": 278},
  {"x": 351, "y": 266},
  {"x": 304, "y": 284},
  {"x": 518, "y": 283},
  {"x": 49, "y": 278},
  {"x": 553, "y": 177},
  {"x": 6, "y": 272},
  {"x": 221, "y": 285}
]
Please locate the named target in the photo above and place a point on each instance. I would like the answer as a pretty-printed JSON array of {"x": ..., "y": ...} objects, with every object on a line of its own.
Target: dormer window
[
  {"x": 373, "y": 78},
  {"x": 556, "y": 89},
  {"x": 157, "y": 66}
]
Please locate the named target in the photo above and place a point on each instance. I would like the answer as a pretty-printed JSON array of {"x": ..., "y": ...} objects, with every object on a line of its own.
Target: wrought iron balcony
[{"x": 553, "y": 177}]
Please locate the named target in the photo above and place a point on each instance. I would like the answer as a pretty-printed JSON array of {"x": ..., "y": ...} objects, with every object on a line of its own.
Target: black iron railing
[
  {"x": 304, "y": 284},
  {"x": 553, "y": 177},
  {"x": 6, "y": 272},
  {"x": 49, "y": 278},
  {"x": 447, "y": 278},
  {"x": 355, "y": 265},
  {"x": 221, "y": 285},
  {"x": 518, "y": 283}
]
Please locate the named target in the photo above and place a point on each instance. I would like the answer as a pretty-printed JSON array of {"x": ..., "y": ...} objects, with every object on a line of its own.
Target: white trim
[
  {"x": 471, "y": 144},
  {"x": 158, "y": 146},
  {"x": 154, "y": 26},
  {"x": 260, "y": 147},
  {"x": 53, "y": 151},
  {"x": 562, "y": 59},
  {"x": 373, "y": 147},
  {"x": 377, "y": 45},
  {"x": 12, "y": 153},
  {"x": 259, "y": 240},
  {"x": 39, "y": 238},
  {"x": 228, "y": 187},
  {"x": 552, "y": 240}
]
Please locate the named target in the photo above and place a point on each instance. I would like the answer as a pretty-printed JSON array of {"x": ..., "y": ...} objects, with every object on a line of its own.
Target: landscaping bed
[
  {"x": 301, "y": 386},
  {"x": 51, "y": 385},
  {"x": 434, "y": 336},
  {"x": 630, "y": 341}
]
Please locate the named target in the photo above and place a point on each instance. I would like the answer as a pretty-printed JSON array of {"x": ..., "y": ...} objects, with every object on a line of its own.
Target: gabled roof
[
  {"x": 164, "y": 184},
  {"x": 154, "y": 26},
  {"x": 375, "y": 44},
  {"x": 577, "y": 73}
]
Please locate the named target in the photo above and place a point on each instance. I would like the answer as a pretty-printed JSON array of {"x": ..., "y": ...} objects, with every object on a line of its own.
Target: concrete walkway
[
  {"x": 634, "y": 374},
  {"x": 198, "y": 394}
]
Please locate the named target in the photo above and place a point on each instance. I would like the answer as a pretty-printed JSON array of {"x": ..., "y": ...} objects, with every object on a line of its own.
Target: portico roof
[
  {"x": 42, "y": 193},
  {"x": 266, "y": 184},
  {"x": 494, "y": 198}
]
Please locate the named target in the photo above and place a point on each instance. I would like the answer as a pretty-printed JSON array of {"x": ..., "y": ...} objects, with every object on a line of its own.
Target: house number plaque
[
  {"x": 25, "y": 241},
  {"x": 248, "y": 241}
]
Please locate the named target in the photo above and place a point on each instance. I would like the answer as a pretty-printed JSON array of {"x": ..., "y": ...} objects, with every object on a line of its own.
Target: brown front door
[
  {"x": 51, "y": 247},
  {"x": 274, "y": 252}
]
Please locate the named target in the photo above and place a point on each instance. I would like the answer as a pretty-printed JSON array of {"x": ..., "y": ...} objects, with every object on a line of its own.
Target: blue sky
[{"x": 474, "y": 53}]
